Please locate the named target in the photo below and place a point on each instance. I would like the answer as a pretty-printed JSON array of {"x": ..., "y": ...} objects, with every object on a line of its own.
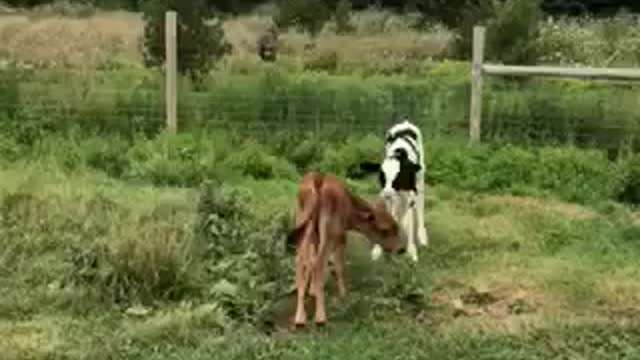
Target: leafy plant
[
  {"x": 308, "y": 15},
  {"x": 343, "y": 17},
  {"x": 512, "y": 31},
  {"x": 200, "y": 36},
  {"x": 243, "y": 255}
]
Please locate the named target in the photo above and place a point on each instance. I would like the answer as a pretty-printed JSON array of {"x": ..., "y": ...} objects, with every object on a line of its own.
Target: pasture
[{"x": 120, "y": 241}]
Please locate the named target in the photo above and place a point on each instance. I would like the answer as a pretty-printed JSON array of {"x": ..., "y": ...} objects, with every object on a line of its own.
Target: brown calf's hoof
[{"x": 321, "y": 323}]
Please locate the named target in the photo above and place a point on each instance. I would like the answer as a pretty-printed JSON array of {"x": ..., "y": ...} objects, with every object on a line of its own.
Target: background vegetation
[{"x": 122, "y": 241}]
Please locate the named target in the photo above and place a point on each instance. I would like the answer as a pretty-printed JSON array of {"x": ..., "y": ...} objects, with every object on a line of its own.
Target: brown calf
[{"x": 325, "y": 211}]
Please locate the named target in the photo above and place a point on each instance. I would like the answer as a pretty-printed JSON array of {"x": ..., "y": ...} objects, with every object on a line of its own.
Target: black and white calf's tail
[{"x": 401, "y": 178}]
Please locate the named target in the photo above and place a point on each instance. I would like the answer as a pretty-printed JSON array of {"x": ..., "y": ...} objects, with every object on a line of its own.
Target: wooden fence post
[
  {"x": 171, "y": 70},
  {"x": 476, "y": 84}
]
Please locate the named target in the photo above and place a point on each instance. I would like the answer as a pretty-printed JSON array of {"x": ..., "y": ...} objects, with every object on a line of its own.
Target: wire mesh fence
[
  {"x": 531, "y": 112},
  {"x": 561, "y": 112},
  {"x": 132, "y": 101}
]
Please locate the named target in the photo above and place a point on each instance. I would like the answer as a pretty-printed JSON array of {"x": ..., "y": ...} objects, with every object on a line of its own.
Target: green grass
[{"x": 538, "y": 278}]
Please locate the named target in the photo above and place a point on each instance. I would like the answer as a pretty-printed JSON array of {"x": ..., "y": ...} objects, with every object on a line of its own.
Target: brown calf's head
[{"x": 381, "y": 228}]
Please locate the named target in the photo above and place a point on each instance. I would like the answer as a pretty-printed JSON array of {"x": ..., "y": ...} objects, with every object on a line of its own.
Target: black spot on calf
[{"x": 406, "y": 178}]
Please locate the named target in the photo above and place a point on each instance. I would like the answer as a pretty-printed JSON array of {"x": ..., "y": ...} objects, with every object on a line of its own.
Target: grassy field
[
  {"x": 94, "y": 267},
  {"x": 122, "y": 242}
]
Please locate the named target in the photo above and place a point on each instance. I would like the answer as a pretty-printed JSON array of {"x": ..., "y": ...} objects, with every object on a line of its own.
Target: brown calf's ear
[
  {"x": 367, "y": 215},
  {"x": 380, "y": 205}
]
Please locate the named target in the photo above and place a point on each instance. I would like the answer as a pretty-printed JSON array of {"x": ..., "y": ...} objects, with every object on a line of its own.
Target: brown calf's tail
[{"x": 309, "y": 216}]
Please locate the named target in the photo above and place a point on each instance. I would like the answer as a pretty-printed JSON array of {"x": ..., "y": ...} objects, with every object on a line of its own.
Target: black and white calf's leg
[{"x": 423, "y": 236}]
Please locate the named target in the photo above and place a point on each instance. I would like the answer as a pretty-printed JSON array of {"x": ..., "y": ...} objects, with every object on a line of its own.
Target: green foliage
[
  {"x": 512, "y": 31},
  {"x": 343, "y": 17},
  {"x": 307, "y": 153},
  {"x": 461, "y": 16},
  {"x": 108, "y": 253},
  {"x": 182, "y": 160},
  {"x": 200, "y": 36},
  {"x": 246, "y": 269},
  {"x": 308, "y": 15},
  {"x": 345, "y": 158},
  {"x": 254, "y": 160},
  {"x": 631, "y": 192},
  {"x": 607, "y": 42},
  {"x": 568, "y": 173}
]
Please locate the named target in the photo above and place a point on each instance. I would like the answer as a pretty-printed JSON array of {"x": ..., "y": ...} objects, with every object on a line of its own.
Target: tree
[
  {"x": 343, "y": 17},
  {"x": 309, "y": 15},
  {"x": 201, "y": 40}
]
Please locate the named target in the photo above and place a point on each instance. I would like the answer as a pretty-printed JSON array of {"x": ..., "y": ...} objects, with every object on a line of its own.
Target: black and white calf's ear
[
  {"x": 369, "y": 167},
  {"x": 363, "y": 169},
  {"x": 413, "y": 167}
]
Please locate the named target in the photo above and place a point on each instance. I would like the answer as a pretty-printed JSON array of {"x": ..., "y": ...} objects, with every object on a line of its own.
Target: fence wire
[
  {"x": 127, "y": 102},
  {"x": 584, "y": 113}
]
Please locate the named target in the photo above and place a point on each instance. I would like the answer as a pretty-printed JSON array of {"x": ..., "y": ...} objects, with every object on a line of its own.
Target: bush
[
  {"x": 306, "y": 154},
  {"x": 180, "y": 160},
  {"x": 308, "y": 15},
  {"x": 200, "y": 36},
  {"x": 147, "y": 259},
  {"x": 631, "y": 192},
  {"x": 99, "y": 247},
  {"x": 610, "y": 42},
  {"x": 255, "y": 161},
  {"x": 244, "y": 257},
  {"x": 459, "y": 15},
  {"x": 513, "y": 30},
  {"x": 343, "y": 17},
  {"x": 344, "y": 160},
  {"x": 512, "y": 26},
  {"x": 571, "y": 174}
]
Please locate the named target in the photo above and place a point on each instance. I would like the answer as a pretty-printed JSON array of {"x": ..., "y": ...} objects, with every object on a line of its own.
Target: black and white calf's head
[
  {"x": 396, "y": 173},
  {"x": 402, "y": 162}
]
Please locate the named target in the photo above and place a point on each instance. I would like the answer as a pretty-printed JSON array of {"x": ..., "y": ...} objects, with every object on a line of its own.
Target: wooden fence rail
[{"x": 479, "y": 69}]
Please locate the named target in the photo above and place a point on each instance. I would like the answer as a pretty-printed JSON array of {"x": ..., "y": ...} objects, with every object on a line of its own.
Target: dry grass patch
[
  {"x": 571, "y": 211},
  {"x": 34, "y": 339},
  {"x": 71, "y": 42}
]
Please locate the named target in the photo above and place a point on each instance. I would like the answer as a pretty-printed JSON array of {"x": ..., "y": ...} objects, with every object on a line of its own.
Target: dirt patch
[
  {"x": 569, "y": 210},
  {"x": 504, "y": 307}
]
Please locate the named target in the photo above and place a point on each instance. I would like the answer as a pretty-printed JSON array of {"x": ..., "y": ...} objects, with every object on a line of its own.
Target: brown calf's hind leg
[
  {"x": 302, "y": 279},
  {"x": 320, "y": 263},
  {"x": 339, "y": 264}
]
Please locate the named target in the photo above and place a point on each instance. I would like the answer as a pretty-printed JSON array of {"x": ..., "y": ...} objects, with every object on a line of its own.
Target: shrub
[
  {"x": 255, "y": 161},
  {"x": 345, "y": 159},
  {"x": 326, "y": 60},
  {"x": 571, "y": 174},
  {"x": 343, "y": 17},
  {"x": 631, "y": 192},
  {"x": 512, "y": 31},
  {"x": 590, "y": 42},
  {"x": 307, "y": 153},
  {"x": 247, "y": 269},
  {"x": 460, "y": 15},
  {"x": 180, "y": 160},
  {"x": 141, "y": 259},
  {"x": 10, "y": 150},
  {"x": 308, "y": 15},
  {"x": 200, "y": 35}
]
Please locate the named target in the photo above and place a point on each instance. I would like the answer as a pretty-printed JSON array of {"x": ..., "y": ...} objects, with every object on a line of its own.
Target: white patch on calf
[{"x": 390, "y": 168}]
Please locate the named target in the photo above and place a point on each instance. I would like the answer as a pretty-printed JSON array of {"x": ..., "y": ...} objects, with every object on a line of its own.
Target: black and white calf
[{"x": 401, "y": 176}]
